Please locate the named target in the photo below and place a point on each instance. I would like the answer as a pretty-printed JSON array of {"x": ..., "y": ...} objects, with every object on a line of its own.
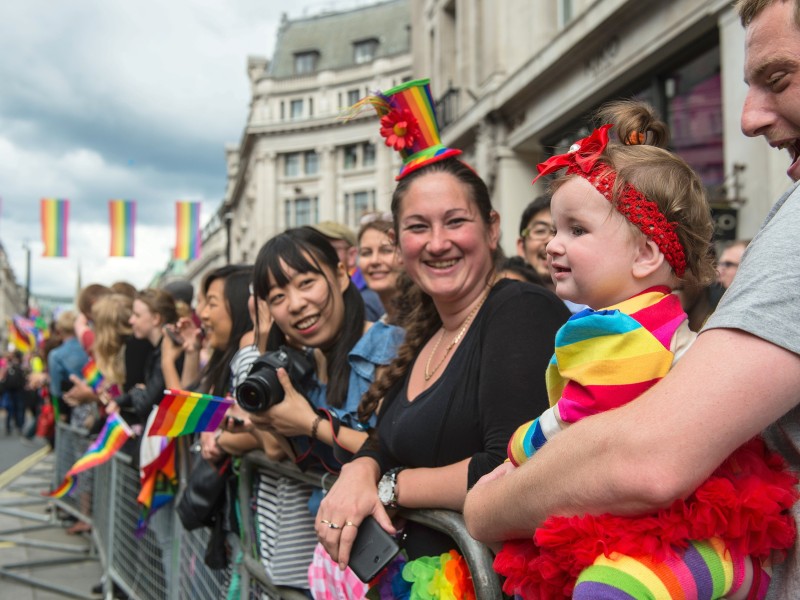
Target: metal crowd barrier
[{"x": 167, "y": 561}]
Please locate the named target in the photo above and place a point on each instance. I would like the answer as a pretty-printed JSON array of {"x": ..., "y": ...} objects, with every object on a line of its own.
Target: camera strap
[{"x": 340, "y": 453}]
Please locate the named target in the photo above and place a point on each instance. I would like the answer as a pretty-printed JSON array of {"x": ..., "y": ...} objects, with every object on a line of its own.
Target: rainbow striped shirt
[{"x": 604, "y": 359}]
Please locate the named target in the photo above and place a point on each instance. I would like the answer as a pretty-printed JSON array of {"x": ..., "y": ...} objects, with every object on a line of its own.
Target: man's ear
[
  {"x": 648, "y": 259},
  {"x": 342, "y": 277}
]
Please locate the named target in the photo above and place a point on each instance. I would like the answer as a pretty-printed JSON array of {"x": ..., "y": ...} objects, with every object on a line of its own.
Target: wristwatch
[{"x": 387, "y": 487}]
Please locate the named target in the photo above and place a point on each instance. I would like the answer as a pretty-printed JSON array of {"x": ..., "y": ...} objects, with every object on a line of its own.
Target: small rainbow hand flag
[
  {"x": 113, "y": 436},
  {"x": 122, "y": 217},
  {"x": 66, "y": 487},
  {"x": 54, "y": 215},
  {"x": 182, "y": 413},
  {"x": 187, "y": 230},
  {"x": 92, "y": 375}
]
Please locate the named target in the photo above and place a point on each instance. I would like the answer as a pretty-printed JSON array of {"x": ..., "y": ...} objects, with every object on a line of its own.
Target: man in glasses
[
  {"x": 535, "y": 230},
  {"x": 729, "y": 261}
]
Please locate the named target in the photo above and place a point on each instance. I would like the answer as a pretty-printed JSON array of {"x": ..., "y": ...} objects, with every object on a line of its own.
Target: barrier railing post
[{"x": 479, "y": 558}]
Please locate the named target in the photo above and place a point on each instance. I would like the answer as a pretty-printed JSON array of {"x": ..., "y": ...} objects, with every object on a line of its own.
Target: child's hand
[{"x": 500, "y": 471}]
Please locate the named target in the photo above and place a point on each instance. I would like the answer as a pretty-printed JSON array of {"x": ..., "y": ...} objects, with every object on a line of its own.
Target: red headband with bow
[{"x": 583, "y": 159}]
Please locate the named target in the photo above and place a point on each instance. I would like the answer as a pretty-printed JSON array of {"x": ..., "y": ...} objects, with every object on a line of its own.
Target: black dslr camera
[{"x": 261, "y": 389}]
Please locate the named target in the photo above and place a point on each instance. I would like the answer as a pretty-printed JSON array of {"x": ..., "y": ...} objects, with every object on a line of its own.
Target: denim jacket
[{"x": 377, "y": 347}]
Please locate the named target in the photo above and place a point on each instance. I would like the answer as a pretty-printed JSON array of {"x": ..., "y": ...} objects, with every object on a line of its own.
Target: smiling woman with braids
[{"x": 468, "y": 368}]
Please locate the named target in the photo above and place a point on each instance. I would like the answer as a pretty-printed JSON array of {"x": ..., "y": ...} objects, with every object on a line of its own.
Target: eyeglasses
[
  {"x": 539, "y": 231},
  {"x": 726, "y": 264}
]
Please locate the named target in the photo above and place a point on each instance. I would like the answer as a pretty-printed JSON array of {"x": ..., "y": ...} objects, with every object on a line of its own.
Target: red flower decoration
[{"x": 400, "y": 129}]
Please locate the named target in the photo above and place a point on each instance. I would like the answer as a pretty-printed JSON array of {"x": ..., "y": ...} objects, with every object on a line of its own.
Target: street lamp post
[
  {"x": 228, "y": 221},
  {"x": 27, "y": 279}
]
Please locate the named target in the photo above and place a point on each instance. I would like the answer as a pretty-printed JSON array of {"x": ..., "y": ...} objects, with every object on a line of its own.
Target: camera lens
[{"x": 259, "y": 391}]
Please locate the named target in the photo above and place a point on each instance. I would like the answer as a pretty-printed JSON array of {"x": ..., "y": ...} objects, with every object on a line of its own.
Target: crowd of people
[{"x": 560, "y": 399}]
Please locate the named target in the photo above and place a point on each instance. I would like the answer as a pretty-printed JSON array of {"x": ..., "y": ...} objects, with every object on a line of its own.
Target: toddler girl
[{"x": 633, "y": 224}]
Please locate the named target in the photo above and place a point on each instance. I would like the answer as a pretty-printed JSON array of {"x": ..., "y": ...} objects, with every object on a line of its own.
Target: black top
[
  {"x": 137, "y": 353},
  {"x": 495, "y": 381}
]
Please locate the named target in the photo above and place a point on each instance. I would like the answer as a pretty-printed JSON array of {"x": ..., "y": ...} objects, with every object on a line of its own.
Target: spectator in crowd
[
  {"x": 226, "y": 320},
  {"x": 86, "y": 299},
  {"x": 467, "y": 369},
  {"x": 64, "y": 362},
  {"x": 152, "y": 309},
  {"x": 13, "y": 387},
  {"x": 535, "y": 230},
  {"x": 344, "y": 241},
  {"x": 657, "y": 449},
  {"x": 515, "y": 267},
  {"x": 314, "y": 305},
  {"x": 729, "y": 262},
  {"x": 377, "y": 259}
]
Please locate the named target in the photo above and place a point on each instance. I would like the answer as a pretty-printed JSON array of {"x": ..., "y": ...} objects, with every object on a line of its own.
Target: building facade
[
  {"x": 516, "y": 81},
  {"x": 12, "y": 296},
  {"x": 299, "y": 162}
]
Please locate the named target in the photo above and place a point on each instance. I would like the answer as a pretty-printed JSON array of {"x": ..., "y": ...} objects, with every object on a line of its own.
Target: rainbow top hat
[{"x": 408, "y": 122}]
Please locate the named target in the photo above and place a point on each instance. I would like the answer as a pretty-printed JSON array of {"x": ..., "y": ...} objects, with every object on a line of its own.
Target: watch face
[{"x": 385, "y": 490}]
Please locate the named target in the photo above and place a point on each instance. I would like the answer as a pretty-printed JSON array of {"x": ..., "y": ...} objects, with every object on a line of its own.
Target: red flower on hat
[{"x": 400, "y": 129}]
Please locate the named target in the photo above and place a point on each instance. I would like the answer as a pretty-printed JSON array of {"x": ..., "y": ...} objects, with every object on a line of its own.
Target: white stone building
[{"x": 298, "y": 162}]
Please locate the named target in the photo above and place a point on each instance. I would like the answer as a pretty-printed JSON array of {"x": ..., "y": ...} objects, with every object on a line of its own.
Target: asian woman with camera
[
  {"x": 321, "y": 357},
  {"x": 314, "y": 306}
]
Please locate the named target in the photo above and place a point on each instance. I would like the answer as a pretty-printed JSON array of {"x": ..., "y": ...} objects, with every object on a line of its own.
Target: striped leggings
[{"x": 704, "y": 571}]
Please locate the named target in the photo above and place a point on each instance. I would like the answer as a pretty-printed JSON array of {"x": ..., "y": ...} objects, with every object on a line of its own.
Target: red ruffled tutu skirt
[{"x": 745, "y": 502}]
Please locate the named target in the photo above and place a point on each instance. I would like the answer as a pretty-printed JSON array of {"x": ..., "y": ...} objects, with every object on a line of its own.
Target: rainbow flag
[
  {"x": 122, "y": 218},
  {"x": 159, "y": 480},
  {"x": 182, "y": 413},
  {"x": 92, "y": 375},
  {"x": 19, "y": 338},
  {"x": 113, "y": 436},
  {"x": 66, "y": 487},
  {"x": 54, "y": 216},
  {"x": 187, "y": 229}
]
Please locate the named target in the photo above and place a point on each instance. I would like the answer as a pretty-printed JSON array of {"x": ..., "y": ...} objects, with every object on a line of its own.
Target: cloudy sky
[{"x": 104, "y": 99}]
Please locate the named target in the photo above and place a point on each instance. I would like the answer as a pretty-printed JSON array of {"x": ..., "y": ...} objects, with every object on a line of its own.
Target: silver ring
[{"x": 334, "y": 526}]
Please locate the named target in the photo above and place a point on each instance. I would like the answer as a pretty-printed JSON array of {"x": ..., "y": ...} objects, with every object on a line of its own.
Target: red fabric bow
[{"x": 583, "y": 154}]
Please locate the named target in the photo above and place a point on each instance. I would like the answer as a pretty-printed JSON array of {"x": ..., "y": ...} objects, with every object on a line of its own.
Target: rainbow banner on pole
[
  {"x": 187, "y": 230},
  {"x": 122, "y": 218},
  {"x": 54, "y": 216},
  {"x": 182, "y": 413},
  {"x": 113, "y": 436}
]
